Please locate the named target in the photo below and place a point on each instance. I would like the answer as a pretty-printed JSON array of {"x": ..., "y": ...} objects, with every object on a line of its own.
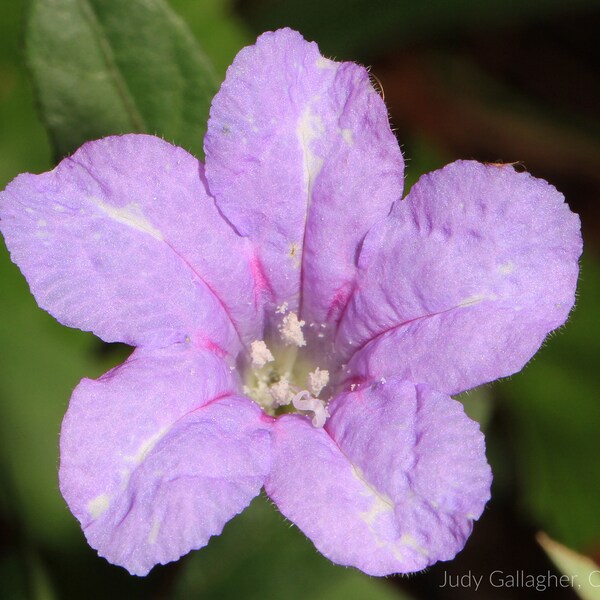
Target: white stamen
[
  {"x": 261, "y": 355},
  {"x": 313, "y": 405},
  {"x": 291, "y": 330},
  {"x": 281, "y": 392},
  {"x": 318, "y": 380},
  {"x": 281, "y": 310}
]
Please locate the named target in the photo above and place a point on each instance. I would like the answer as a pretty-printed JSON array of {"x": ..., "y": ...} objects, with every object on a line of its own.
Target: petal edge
[
  {"x": 158, "y": 454},
  {"x": 391, "y": 485}
]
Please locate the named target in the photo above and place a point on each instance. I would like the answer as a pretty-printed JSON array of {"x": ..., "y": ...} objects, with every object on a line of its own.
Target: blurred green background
[{"x": 486, "y": 79}]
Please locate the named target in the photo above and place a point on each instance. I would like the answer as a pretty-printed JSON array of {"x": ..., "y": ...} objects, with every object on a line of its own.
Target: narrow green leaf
[
  {"x": 105, "y": 67},
  {"x": 581, "y": 572},
  {"x": 23, "y": 144}
]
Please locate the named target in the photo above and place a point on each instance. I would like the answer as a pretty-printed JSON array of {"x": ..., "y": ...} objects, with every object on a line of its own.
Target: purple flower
[{"x": 297, "y": 325}]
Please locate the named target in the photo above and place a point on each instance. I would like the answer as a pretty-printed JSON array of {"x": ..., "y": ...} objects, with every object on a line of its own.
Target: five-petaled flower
[{"x": 297, "y": 325}]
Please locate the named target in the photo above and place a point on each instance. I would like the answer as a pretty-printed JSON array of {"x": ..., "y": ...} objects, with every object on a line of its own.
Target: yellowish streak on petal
[
  {"x": 347, "y": 136},
  {"x": 147, "y": 446},
  {"x": 130, "y": 215},
  {"x": 507, "y": 268},
  {"x": 310, "y": 128},
  {"x": 98, "y": 506},
  {"x": 473, "y": 300},
  {"x": 382, "y": 506},
  {"x": 153, "y": 535},
  {"x": 324, "y": 63}
]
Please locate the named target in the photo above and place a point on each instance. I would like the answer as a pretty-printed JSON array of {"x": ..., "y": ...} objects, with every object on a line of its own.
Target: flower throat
[{"x": 280, "y": 379}]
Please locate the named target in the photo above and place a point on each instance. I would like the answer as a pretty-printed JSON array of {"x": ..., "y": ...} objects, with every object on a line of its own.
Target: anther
[
  {"x": 317, "y": 380},
  {"x": 260, "y": 354},
  {"x": 291, "y": 330}
]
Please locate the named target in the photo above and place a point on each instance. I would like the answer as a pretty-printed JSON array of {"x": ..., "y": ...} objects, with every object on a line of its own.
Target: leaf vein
[{"x": 137, "y": 121}]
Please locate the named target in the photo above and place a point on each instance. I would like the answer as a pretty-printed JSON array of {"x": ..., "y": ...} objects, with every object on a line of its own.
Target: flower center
[{"x": 282, "y": 381}]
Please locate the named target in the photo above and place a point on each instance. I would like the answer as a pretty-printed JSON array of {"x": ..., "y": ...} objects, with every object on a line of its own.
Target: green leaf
[
  {"x": 105, "y": 67},
  {"x": 555, "y": 417},
  {"x": 581, "y": 571},
  {"x": 261, "y": 554},
  {"x": 23, "y": 143}
]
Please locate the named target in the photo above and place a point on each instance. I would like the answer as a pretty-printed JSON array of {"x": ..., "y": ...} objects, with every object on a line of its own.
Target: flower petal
[
  {"x": 158, "y": 454},
  {"x": 122, "y": 239},
  {"x": 391, "y": 485},
  {"x": 301, "y": 158},
  {"x": 464, "y": 281}
]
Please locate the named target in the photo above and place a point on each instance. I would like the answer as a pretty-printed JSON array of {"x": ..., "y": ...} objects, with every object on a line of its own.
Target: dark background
[{"x": 494, "y": 81}]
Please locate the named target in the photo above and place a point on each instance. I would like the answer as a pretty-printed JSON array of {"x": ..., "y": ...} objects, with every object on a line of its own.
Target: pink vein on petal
[
  {"x": 213, "y": 292},
  {"x": 403, "y": 324},
  {"x": 339, "y": 304},
  {"x": 261, "y": 282},
  {"x": 157, "y": 440},
  {"x": 210, "y": 343}
]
